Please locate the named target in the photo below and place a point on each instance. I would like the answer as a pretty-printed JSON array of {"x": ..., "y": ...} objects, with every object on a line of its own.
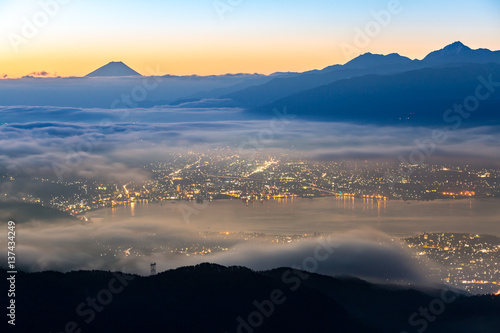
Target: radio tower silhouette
[{"x": 153, "y": 269}]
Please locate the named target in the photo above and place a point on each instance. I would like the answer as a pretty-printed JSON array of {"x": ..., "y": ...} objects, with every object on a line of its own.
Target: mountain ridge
[
  {"x": 365, "y": 64},
  {"x": 417, "y": 97},
  {"x": 214, "y": 298},
  {"x": 457, "y": 52}
]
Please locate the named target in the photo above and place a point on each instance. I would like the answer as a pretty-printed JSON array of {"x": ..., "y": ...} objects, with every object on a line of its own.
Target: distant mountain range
[
  {"x": 214, "y": 298},
  {"x": 372, "y": 87},
  {"x": 386, "y": 89},
  {"x": 459, "y": 53},
  {"x": 455, "y": 54},
  {"x": 415, "y": 97}
]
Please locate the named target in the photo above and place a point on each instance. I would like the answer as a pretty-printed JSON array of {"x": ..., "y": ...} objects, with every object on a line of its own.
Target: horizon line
[{"x": 55, "y": 76}]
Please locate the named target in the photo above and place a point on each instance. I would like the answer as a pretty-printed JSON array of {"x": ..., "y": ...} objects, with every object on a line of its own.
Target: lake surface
[{"x": 323, "y": 215}]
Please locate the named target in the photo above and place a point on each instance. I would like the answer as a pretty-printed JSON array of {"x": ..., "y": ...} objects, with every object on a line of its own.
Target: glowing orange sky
[
  {"x": 189, "y": 38},
  {"x": 199, "y": 61}
]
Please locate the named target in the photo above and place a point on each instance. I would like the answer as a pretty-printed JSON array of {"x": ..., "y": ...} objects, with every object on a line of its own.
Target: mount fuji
[{"x": 114, "y": 68}]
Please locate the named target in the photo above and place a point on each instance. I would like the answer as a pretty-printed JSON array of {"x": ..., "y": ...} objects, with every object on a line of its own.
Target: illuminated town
[
  {"x": 223, "y": 174},
  {"x": 207, "y": 243},
  {"x": 470, "y": 262}
]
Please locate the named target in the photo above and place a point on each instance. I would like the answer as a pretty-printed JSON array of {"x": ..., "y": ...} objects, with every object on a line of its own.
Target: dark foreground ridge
[{"x": 214, "y": 298}]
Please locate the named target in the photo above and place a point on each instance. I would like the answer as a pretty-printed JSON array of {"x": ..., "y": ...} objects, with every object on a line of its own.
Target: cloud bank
[
  {"x": 106, "y": 143},
  {"x": 102, "y": 244}
]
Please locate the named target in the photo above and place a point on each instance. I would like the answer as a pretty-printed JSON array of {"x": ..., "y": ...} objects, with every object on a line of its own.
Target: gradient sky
[{"x": 189, "y": 37}]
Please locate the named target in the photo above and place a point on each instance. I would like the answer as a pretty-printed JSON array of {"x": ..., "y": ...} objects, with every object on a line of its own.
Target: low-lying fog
[{"x": 353, "y": 236}]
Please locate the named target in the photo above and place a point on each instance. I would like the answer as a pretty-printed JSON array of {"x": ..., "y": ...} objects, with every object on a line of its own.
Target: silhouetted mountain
[
  {"x": 281, "y": 87},
  {"x": 249, "y": 81},
  {"x": 114, "y": 68},
  {"x": 365, "y": 64},
  {"x": 459, "y": 53},
  {"x": 247, "y": 90},
  {"x": 214, "y": 298},
  {"x": 418, "y": 97},
  {"x": 369, "y": 60}
]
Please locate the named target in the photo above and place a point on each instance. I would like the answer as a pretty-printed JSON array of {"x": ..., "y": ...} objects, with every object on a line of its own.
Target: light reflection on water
[{"x": 330, "y": 214}]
